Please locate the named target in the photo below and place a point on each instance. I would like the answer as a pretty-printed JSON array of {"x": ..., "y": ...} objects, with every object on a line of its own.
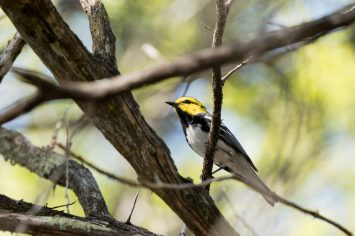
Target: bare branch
[
  {"x": 315, "y": 214},
  {"x": 9, "y": 54},
  {"x": 50, "y": 222},
  {"x": 104, "y": 41},
  {"x": 213, "y": 136},
  {"x": 128, "y": 221},
  {"x": 190, "y": 64},
  {"x": 237, "y": 67}
]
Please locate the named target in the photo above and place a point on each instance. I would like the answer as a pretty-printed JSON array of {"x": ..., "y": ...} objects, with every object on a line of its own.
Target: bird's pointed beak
[{"x": 173, "y": 104}]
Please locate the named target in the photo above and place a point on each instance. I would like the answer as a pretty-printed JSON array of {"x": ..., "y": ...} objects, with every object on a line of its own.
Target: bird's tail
[{"x": 258, "y": 185}]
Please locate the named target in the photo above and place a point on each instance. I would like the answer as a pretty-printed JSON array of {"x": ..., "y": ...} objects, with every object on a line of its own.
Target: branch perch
[{"x": 222, "y": 10}]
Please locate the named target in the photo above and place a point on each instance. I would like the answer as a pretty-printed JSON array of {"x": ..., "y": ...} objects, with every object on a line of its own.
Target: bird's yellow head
[{"x": 188, "y": 105}]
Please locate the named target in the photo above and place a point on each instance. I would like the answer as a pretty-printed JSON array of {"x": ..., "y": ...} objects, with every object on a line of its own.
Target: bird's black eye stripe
[{"x": 187, "y": 102}]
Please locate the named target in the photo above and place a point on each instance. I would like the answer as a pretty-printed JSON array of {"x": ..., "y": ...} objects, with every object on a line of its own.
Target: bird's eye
[{"x": 187, "y": 102}]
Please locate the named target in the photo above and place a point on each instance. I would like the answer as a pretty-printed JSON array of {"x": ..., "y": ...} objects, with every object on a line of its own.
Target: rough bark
[
  {"x": 10, "y": 53},
  {"x": 118, "y": 118},
  {"x": 104, "y": 41},
  {"x": 14, "y": 217}
]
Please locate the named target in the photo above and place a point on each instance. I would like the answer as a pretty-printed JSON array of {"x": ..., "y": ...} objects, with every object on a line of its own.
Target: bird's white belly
[{"x": 197, "y": 140}]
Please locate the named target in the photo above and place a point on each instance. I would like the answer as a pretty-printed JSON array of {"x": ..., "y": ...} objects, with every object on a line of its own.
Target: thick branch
[
  {"x": 118, "y": 118},
  {"x": 104, "y": 41},
  {"x": 9, "y": 54},
  {"x": 14, "y": 214}
]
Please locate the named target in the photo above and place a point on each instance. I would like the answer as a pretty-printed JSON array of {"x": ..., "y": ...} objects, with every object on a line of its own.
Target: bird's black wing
[{"x": 227, "y": 136}]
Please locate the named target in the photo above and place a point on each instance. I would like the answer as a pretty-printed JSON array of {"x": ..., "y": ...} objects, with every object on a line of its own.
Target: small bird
[{"x": 229, "y": 155}]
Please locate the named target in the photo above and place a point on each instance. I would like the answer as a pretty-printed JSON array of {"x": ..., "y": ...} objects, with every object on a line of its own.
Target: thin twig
[
  {"x": 237, "y": 67},
  {"x": 68, "y": 145},
  {"x": 315, "y": 214},
  {"x": 128, "y": 221},
  {"x": 188, "y": 83},
  {"x": 64, "y": 205}
]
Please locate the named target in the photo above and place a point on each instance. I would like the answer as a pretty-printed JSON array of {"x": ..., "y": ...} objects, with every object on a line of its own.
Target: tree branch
[
  {"x": 190, "y": 64},
  {"x": 104, "y": 41},
  {"x": 51, "y": 222},
  {"x": 9, "y": 54},
  {"x": 237, "y": 67},
  {"x": 221, "y": 17},
  {"x": 315, "y": 214}
]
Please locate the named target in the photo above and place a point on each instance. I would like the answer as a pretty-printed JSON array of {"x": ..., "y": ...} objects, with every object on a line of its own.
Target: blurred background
[{"x": 294, "y": 114}]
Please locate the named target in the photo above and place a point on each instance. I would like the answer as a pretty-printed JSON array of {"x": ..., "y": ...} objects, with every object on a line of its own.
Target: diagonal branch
[{"x": 9, "y": 54}]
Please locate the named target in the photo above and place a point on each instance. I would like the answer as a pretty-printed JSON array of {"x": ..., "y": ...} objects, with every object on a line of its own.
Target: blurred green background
[{"x": 294, "y": 114}]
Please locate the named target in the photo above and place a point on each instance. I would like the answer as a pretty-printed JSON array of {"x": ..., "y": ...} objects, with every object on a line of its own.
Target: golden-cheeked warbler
[{"x": 229, "y": 155}]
